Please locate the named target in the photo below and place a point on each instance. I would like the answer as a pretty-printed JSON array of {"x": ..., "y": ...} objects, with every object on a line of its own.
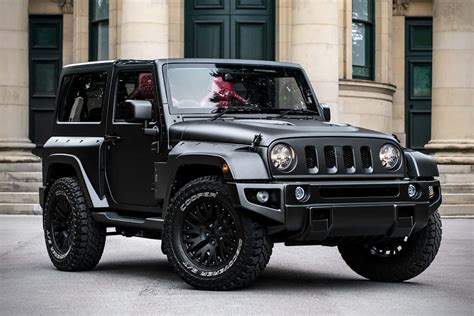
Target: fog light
[
  {"x": 412, "y": 191},
  {"x": 263, "y": 196},
  {"x": 300, "y": 194}
]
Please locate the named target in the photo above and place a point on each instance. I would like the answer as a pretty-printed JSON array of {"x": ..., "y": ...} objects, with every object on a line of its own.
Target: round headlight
[
  {"x": 282, "y": 156},
  {"x": 389, "y": 156}
]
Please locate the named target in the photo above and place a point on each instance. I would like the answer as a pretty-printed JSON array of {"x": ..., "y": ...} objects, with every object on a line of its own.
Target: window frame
[
  {"x": 137, "y": 69},
  {"x": 369, "y": 45},
  {"x": 94, "y": 24},
  {"x": 63, "y": 93},
  {"x": 302, "y": 82}
]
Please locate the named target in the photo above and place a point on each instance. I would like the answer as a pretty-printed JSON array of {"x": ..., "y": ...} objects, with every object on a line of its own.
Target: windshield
[{"x": 207, "y": 88}]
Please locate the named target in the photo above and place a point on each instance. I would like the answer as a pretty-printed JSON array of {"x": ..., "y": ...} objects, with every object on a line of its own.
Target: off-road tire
[
  {"x": 87, "y": 236},
  {"x": 416, "y": 254},
  {"x": 255, "y": 249}
]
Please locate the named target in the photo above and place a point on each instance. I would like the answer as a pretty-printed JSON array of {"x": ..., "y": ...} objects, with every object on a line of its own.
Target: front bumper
[{"x": 334, "y": 209}]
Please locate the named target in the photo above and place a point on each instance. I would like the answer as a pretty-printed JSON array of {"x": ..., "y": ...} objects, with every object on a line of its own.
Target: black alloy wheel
[
  {"x": 61, "y": 225},
  {"x": 396, "y": 259},
  {"x": 211, "y": 244},
  {"x": 74, "y": 240},
  {"x": 387, "y": 248},
  {"x": 209, "y": 234}
]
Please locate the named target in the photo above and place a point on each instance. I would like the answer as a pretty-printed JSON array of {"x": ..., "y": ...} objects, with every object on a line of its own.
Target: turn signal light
[{"x": 225, "y": 168}]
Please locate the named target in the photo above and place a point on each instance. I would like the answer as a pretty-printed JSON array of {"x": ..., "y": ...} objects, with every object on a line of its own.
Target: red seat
[
  {"x": 223, "y": 93},
  {"x": 145, "y": 89}
]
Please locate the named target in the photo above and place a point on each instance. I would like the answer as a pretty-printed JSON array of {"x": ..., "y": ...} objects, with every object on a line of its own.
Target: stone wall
[
  {"x": 316, "y": 34},
  {"x": 367, "y": 104},
  {"x": 14, "y": 139}
]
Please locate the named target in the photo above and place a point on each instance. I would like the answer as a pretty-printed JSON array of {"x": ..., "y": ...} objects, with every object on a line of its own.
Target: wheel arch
[
  {"x": 186, "y": 168},
  {"x": 66, "y": 165},
  {"x": 191, "y": 160},
  {"x": 420, "y": 165}
]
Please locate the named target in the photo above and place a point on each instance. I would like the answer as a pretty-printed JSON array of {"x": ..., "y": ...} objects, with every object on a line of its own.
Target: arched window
[{"x": 363, "y": 39}]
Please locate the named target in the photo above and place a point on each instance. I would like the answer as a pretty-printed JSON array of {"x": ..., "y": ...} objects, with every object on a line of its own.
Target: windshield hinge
[{"x": 256, "y": 141}]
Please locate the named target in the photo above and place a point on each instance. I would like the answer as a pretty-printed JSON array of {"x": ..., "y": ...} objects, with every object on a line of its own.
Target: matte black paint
[
  {"x": 126, "y": 192},
  {"x": 242, "y": 131},
  {"x": 420, "y": 165}
]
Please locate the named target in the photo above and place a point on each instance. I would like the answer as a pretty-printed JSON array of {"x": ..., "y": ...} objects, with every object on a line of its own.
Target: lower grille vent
[{"x": 352, "y": 192}]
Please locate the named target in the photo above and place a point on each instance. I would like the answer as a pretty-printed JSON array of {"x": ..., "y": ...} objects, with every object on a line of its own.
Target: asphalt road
[{"x": 133, "y": 277}]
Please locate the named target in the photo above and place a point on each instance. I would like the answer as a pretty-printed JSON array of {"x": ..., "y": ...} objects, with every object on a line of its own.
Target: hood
[{"x": 243, "y": 131}]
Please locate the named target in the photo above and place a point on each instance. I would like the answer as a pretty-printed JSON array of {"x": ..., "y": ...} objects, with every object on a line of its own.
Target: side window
[
  {"x": 133, "y": 85},
  {"x": 83, "y": 96}
]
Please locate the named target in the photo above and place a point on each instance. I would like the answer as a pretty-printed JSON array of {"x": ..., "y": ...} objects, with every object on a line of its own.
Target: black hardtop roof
[{"x": 164, "y": 61}]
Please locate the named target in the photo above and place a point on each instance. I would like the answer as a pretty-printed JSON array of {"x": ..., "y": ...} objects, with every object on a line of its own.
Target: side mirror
[
  {"x": 137, "y": 111},
  {"x": 326, "y": 111}
]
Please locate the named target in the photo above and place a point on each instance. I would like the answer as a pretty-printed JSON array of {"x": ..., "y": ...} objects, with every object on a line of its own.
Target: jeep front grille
[
  {"x": 332, "y": 163},
  {"x": 329, "y": 157}
]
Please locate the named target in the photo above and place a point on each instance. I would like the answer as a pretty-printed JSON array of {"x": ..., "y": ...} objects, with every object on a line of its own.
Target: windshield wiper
[
  {"x": 297, "y": 111},
  {"x": 234, "y": 109}
]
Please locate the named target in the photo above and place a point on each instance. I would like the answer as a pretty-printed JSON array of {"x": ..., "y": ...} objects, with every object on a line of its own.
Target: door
[
  {"x": 230, "y": 29},
  {"x": 45, "y": 62},
  {"x": 130, "y": 157},
  {"x": 418, "y": 55}
]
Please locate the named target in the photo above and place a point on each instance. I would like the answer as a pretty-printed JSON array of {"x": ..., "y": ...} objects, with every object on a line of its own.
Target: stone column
[
  {"x": 15, "y": 144},
  {"x": 143, "y": 32},
  {"x": 80, "y": 41},
  {"x": 398, "y": 69},
  {"x": 452, "y": 133},
  {"x": 176, "y": 29},
  {"x": 315, "y": 45}
]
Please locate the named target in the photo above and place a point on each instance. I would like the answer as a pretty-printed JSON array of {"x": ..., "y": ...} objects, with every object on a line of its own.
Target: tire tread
[
  {"x": 422, "y": 252},
  {"x": 89, "y": 236},
  {"x": 256, "y": 255}
]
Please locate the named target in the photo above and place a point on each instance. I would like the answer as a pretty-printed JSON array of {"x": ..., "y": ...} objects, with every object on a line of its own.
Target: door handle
[
  {"x": 112, "y": 139},
  {"x": 153, "y": 131}
]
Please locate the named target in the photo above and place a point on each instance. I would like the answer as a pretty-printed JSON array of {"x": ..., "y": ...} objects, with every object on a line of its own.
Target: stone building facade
[{"x": 398, "y": 66}]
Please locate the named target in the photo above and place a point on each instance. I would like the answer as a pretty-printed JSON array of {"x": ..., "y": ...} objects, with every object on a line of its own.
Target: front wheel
[
  {"x": 210, "y": 245},
  {"x": 398, "y": 259}
]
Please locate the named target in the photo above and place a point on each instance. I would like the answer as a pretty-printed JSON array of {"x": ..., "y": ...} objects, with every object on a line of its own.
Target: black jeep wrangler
[{"x": 220, "y": 159}]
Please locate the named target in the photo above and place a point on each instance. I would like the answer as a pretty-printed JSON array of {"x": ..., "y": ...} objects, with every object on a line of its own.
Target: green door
[
  {"x": 418, "y": 55},
  {"x": 45, "y": 62},
  {"x": 230, "y": 29}
]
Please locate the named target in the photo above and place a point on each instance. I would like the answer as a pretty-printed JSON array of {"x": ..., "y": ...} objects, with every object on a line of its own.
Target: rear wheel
[
  {"x": 210, "y": 245},
  {"x": 74, "y": 241},
  {"x": 398, "y": 259}
]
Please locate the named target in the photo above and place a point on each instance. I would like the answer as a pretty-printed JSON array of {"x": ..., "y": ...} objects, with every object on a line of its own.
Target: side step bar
[{"x": 114, "y": 219}]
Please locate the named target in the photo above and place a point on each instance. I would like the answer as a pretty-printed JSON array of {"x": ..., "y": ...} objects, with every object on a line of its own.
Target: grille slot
[
  {"x": 311, "y": 159},
  {"x": 348, "y": 156},
  {"x": 330, "y": 158},
  {"x": 366, "y": 158}
]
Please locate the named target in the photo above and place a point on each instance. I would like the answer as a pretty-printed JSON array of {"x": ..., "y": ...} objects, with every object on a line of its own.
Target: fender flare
[
  {"x": 420, "y": 165},
  {"x": 92, "y": 198},
  {"x": 243, "y": 164}
]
